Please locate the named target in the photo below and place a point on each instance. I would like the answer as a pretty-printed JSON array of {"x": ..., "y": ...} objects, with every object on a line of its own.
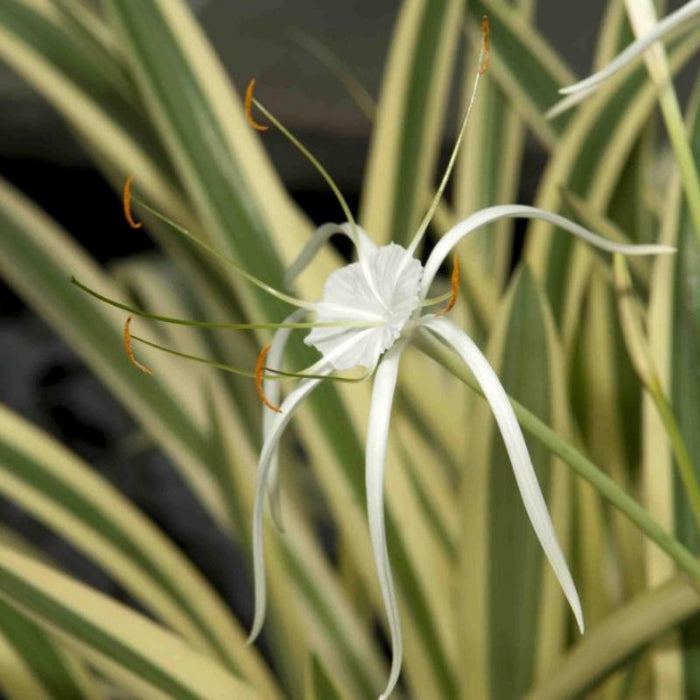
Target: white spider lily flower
[
  {"x": 376, "y": 305},
  {"x": 680, "y": 19},
  {"x": 369, "y": 311}
]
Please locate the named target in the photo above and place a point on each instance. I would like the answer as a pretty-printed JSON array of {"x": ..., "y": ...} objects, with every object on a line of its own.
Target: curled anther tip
[
  {"x": 130, "y": 351},
  {"x": 454, "y": 289},
  {"x": 248, "y": 108},
  {"x": 126, "y": 202},
  {"x": 485, "y": 45},
  {"x": 259, "y": 376}
]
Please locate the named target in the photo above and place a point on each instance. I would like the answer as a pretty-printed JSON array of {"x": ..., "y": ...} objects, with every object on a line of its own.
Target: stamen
[
  {"x": 228, "y": 260},
  {"x": 317, "y": 164},
  {"x": 259, "y": 376},
  {"x": 270, "y": 373},
  {"x": 129, "y": 349},
  {"x": 483, "y": 65},
  {"x": 454, "y": 282},
  {"x": 248, "y": 105},
  {"x": 126, "y": 202},
  {"x": 484, "y": 58},
  {"x": 135, "y": 311}
]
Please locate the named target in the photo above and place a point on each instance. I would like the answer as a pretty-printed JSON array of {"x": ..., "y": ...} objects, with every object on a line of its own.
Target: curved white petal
[
  {"x": 565, "y": 104},
  {"x": 270, "y": 447},
  {"x": 273, "y": 389},
  {"x": 517, "y": 451},
  {"x": 280, "y": 421},
  {"x": 318, "y": 239},
  {"x": 375, "y": 454},
  {"x": 636, "y": 48},
  {"x": 521, "y": 211}
]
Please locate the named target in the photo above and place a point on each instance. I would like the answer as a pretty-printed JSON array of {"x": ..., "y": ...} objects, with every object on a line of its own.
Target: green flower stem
[
  {"x": 631, "y": 320},
  {"x": 581, "y": 465},
  {"x": 642, "y": 15},
  {"x": 680, "y": 451},
  {"x": 678, "y": 136}
]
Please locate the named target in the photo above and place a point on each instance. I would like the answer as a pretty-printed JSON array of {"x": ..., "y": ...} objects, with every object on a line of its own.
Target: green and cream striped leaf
[
  {"x": 511, "y": 610},
  {"x": 524, "y": 64},
  {"x": 416, "y": 550},
  {"x": 58, "y": 489},
  {"x": 38, "y": 259},
  {"x": 320, "y": 685},
  {"x": 410, "y": 117},
  {"x": 181, "y": 83},
  {"x": 606, "y": 396},
  {"x": 41, "y": 667},
  {"x": 621, "y": 636},
  {"x": 100, "y": 102},
  {"x": 33, "y": 666},
  {"x": 113, "y": 638},
  {"x": 434, "y": 487},
  {"x": 589, "y": 161},
  {"x": 674, "y": 334},
  {"x": 204, "y": 84},
  {"x": 35, "y": 44}
]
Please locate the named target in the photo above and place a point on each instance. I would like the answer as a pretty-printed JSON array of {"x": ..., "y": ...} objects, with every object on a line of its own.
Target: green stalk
[
  {"x": 680, "y": 451},
  {"x": 671, "y": 111},
  {"x": 631, "y": 318},
  {"x": 581, "y": 465},
  {"x": 642, "y": 16}
]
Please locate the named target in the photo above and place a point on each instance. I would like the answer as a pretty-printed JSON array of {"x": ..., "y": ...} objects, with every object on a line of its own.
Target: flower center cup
[{"x": 371, "y": 301}]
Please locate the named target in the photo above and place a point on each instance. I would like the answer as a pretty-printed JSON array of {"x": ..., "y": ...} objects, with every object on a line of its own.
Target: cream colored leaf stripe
[
  {"x": 80, "y": 616},
  {"x": 61, "y": 481}
]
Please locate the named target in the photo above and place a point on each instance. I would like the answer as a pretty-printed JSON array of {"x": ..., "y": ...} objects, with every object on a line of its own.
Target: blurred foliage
[{"x": 143, "y": 91}]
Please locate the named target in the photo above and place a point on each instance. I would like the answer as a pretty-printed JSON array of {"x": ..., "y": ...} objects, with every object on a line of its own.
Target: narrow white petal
[
  {"x": 323, "y": 367},
  {"x": 521, "y": 211},
  {"x": 636, "y": 48},
  {"x": 270, "y": 447},
  {"x": 273, "y": 389},
  {"x": 565, "y": 104},
  {"x": 367, "y": 245},
  {"x": 318, "y": 239},
  {"x": 375, "y": 454},
  {"x": 523, "y": 470}
]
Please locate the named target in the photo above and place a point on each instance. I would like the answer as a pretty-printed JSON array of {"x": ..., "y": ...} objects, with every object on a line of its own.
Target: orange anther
[
  {"x": 454, "y": 291},
  {"x": 126, "y": 201},
  {"x": 485, "y": 45},
  {"x": 129, "y": 349},
  {"x": 248, "y": 106},
  {"x": 259, "y": 375}
]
